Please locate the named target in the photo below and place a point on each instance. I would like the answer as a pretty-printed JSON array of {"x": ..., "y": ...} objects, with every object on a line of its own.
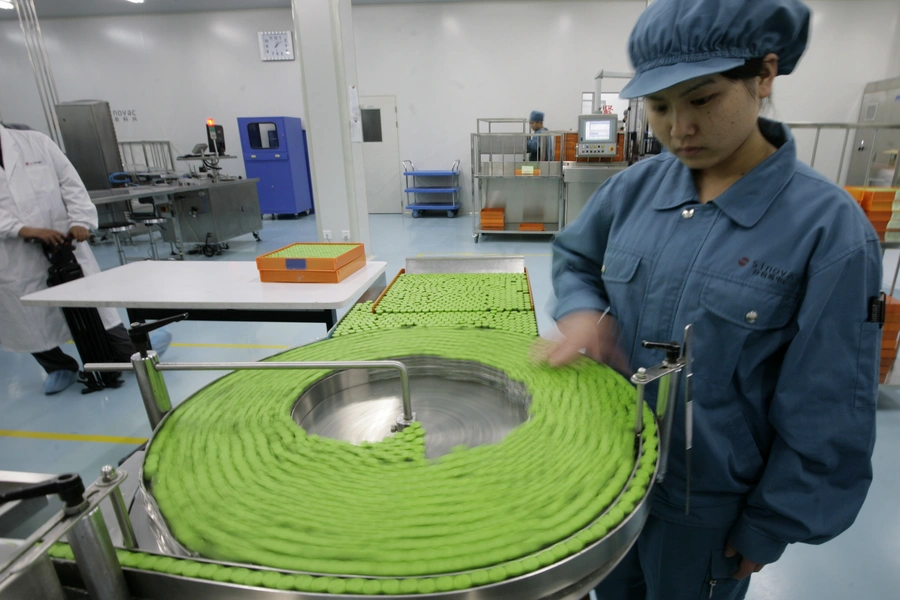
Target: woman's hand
[
  {"x": 586, "y": 331},
  {"x": 50, "y": 237},
  {"x": 79, "y": 233},
  {"x": 747, "y": 566}
]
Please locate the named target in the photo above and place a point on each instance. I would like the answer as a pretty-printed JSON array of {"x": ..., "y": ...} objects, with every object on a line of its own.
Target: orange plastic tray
[
  {"x": 531, "y": 227},
  {"x": 267, "y": 263},
  {"x": 308, "y": 276}
]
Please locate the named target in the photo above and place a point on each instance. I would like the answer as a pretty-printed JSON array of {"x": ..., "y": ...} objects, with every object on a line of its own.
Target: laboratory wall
[
  {"x": 447, "y": 64},
  {"x": 163, "y": 75}
]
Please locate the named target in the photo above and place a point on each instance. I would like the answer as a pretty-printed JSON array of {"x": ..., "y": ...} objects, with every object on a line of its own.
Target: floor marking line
[
  {"x": 71, "y": 437},
  {"x": 235, "y": 346}
]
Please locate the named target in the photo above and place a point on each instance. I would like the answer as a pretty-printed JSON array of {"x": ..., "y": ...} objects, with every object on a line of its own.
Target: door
[{"x": 381, "y": 153}]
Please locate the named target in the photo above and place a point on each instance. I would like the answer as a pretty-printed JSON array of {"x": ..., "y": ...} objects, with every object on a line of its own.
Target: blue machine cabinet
[{"x": 276, "y": 152}]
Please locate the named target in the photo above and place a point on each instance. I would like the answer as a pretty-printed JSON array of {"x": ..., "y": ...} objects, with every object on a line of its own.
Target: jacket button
[
  {"x": 687, "y": 213},
  {"x": 751, "y": 317},
  {"x": 603, "y": 269}
]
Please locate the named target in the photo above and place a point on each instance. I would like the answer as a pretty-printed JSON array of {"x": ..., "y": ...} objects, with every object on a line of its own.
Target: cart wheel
[
  {"x": 451, "y": 214},
  {"x": 307, "y": 211},
  {"x": 256, "y": 235},
  {"x": 415, "y": 214},
  {"x": 209, "y": 251},
  {"x": 476, "y": 236}
]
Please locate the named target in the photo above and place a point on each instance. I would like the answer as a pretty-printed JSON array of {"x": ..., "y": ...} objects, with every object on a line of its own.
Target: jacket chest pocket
[
  {"x": 624, "y": 283},
  {"x": 735, "y": 315},
  {"x": 619, "y": 267},
  {"x": 41, "y": 178}
]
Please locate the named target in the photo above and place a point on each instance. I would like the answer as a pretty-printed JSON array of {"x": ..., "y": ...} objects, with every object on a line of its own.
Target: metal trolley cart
[
  {"x": 510, "y": 193},
  {"x": 431, "y": 190}
]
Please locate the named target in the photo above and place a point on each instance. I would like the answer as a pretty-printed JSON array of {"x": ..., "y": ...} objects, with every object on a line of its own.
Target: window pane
[
  {"x": 371, "y": 124},
  {"x": 587, "y": 103},
  {"x": 263, "y": 136}
]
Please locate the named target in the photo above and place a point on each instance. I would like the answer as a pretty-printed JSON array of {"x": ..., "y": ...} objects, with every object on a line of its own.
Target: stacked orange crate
[
  {"x": 311, "y": 262},
  {"x": 890, "y": 338},
  {"x": 879, "y": 205},
  {"x": 892, "y": 234},
  {"x": 493, "y": 218}
]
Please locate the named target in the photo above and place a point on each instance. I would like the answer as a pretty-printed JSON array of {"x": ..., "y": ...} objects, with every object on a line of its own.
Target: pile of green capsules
[
  {"x": 361, "y": 318},
  {"x": 457, "y": 292},
  {"x": 313, "y": 251},
  {"x": 239, "y": 481}
]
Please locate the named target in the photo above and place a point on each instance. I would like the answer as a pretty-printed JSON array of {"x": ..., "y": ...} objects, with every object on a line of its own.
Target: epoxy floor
[{"x": 862, "y": 563}]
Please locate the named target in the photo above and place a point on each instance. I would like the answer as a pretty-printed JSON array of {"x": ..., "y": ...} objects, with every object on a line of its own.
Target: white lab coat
[{"x": 39, "y": 187}]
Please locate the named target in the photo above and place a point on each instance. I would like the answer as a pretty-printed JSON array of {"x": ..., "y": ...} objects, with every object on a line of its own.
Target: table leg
[
  {"x": 330, "y": 319},
  {"x": 176, "y": 227}
]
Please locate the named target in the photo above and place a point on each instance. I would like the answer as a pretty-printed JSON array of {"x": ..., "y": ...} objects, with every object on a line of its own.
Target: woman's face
[{"x": 704, "y": 121}]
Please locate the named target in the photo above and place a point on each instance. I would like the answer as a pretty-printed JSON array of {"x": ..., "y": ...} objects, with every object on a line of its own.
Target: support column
[
  {"x": 327, "y": 59},
  {"x": 40, "y": 65}
]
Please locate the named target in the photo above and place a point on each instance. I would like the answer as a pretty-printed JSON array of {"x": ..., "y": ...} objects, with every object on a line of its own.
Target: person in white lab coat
[{"x": 42, "y": 197}]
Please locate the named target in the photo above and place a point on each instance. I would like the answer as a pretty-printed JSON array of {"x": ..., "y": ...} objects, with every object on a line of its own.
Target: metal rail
[{"x": 408, "y": 414}]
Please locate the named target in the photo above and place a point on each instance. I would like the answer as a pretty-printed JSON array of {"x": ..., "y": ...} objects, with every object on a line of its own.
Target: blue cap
[
  {"x": 536, "y": 115},
  {"x": 677, "y": 40}
]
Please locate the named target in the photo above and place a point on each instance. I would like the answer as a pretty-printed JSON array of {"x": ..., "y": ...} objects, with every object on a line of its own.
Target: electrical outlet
[
  {"x": 345, "y": 235},
  {"x": 327, "y": 235}
]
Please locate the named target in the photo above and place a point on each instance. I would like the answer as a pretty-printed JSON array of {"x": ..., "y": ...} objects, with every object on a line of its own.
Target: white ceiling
[{"x": 55, "y": 9}]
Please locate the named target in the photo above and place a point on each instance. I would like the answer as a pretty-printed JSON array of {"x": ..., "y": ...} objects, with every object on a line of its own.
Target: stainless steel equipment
[
  {"x": 580, "y": 181},
  {"x": 503, "y": 177},
  {"x": 211, "y": 215},
  {"x": 154, "y": 156},
  {"x": 597, "y": 135},
  {"x": 458, "y": 402},
  {"x": 13, "y": 514},
  {"x": 90, "y": 139},
  {"x": 835, "y": 147},
  {"x": 568, "y": 579},
  {"x": 359, "y": 405},
  {"x": 679, "y": 359},
  {"x": 23, "y": 569},
  {"x": 874, "y": 152}
]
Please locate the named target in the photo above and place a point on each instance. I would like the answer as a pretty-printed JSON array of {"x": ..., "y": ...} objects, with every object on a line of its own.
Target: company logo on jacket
[{"x": 766, "y": 271}]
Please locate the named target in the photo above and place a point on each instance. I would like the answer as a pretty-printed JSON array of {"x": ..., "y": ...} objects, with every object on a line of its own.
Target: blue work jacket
[
  {"x": 775, "y": 275},
  {"x": 540, "y": 148}
]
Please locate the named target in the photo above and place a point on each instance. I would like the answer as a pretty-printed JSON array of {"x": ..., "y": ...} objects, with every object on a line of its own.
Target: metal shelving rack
[
  {"x": 496, "y": 157},
  {"x": 441, "y": 184}
]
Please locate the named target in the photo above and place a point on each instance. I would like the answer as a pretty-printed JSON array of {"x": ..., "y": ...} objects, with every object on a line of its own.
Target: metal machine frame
[{"x": 497, "y": 160}]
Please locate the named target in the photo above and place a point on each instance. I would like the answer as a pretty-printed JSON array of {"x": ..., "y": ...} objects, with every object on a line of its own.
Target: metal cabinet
[
  {"x": 276, "y": 152},
  {"x": 873, "y": 159},
  {"x": 212, "y": 216},
  {"x": 581, "y": 180}
]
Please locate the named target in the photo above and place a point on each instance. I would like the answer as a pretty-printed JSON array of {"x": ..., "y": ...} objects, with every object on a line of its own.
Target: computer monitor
[
  {"x": 599, "y": 129},
  {"x": 597, "y": 135}
]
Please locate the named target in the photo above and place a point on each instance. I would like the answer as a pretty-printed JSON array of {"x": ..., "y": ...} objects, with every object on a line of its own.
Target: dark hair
[
  {"x": 747, "y": 72},
  {"x": 751, "y": 69}
]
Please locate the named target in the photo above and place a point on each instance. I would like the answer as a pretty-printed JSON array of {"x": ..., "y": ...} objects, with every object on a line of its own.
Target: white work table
[{"x": 210, "y": 291}]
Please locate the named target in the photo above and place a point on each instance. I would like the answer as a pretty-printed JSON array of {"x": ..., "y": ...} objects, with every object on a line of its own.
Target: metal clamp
[
  {"x": 679, "y": 358},
  {"x": 83, "y": 524}
]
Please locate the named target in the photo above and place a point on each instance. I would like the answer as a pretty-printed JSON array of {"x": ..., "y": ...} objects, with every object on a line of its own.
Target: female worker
[
  {"x": 773, "y": 265},
  {"x": 42, "y": 197}
]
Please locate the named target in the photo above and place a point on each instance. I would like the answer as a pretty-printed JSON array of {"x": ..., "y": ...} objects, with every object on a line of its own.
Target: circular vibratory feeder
[{"x": 432, "y": 462}]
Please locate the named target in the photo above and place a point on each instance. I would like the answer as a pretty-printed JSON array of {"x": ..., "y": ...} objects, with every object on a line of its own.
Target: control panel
[{"x": 595, "y": 149}]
